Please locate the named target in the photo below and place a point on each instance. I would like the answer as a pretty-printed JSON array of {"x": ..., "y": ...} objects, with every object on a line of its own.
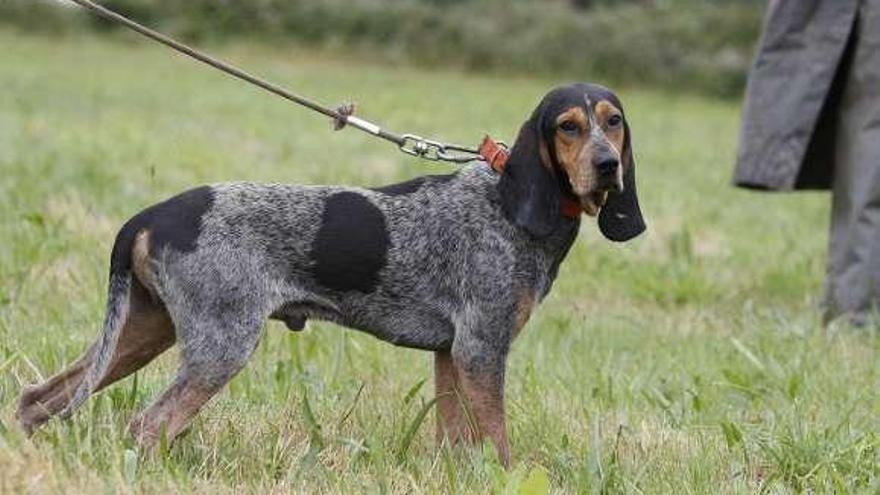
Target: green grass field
[{"x": 691, "y": 360}]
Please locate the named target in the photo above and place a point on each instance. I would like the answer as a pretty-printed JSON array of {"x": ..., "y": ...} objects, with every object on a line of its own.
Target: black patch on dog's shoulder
[
  {"x": 412, "y": 185},
  {"x": 352, "y": 244},
  {"x": 174, "y": 223}
]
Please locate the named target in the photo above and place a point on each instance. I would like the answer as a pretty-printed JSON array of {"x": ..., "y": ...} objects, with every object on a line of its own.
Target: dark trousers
[{"x": 852, "y": 287}]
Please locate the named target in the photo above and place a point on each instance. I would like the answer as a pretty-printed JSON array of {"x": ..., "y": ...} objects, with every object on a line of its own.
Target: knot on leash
[{"x": 342, "y": 111}]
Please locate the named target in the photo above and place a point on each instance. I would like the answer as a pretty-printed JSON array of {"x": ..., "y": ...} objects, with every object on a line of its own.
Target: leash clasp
[{"x": 415, "y": 145}]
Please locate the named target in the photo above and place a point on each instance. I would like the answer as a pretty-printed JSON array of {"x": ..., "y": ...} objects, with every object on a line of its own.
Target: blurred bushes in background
[{"x": 699, "y": 45}]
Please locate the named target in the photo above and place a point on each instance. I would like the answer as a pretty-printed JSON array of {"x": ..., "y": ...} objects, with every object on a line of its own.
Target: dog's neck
[{"x": 497, "y": 155}]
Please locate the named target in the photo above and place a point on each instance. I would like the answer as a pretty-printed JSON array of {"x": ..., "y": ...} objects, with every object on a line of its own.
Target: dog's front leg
[
  {"x": 479, "y": 365},
  {"x": 484, "y": 393},
  {"x": 452, "y": 424}
]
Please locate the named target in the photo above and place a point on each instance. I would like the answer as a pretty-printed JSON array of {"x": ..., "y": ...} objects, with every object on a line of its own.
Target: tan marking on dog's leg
[
  {"x": 171, "y": 412},
  {"x": 484, "y": 395},
  {"x": 147, "y": 333},
  {"x": 452, "y": 422}
]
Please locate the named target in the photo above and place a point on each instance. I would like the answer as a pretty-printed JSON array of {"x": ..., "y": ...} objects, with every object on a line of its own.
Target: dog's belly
[
  {"x": 413, "y": 327},
  {"x": 413, "y": 330}
]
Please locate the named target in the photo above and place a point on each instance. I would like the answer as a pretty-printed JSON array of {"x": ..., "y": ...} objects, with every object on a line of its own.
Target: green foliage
[
  {"x": 680, "y": 44},
  {"x": 690, "y": 360},
  {"x": 43, "y": 16}
]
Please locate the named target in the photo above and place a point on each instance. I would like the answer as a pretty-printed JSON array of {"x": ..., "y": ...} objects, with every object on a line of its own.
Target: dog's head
[{"x": 576, "y": 143}]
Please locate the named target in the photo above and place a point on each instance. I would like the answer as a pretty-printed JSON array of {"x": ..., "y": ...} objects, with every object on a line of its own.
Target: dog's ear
[
  {"x": 528, "y": 187},
  {"x": 621, "y": 218}
]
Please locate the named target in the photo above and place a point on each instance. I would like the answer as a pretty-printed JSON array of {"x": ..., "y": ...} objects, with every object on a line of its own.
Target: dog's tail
[{"x": 118, "y": 304}]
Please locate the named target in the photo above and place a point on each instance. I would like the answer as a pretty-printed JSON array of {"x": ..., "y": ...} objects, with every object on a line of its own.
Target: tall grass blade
[{"x": 413, "y": 428}]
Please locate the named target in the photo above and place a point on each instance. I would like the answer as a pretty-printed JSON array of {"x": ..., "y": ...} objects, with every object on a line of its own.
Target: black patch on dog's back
[
  {"x": 412, "y": 185},
  {"x": 174, "y": 223},
  {"x": 351, "y": 246},
  {"x": 401, "y": 188}
]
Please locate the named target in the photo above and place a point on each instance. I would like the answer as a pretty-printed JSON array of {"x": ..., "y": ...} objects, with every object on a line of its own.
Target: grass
[{"x": 689, "y": 361}]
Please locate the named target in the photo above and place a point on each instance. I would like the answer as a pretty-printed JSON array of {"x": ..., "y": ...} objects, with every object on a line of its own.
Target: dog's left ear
[
  {"x": 528, "y": 186},
  {"x": 621, "y": 218}
]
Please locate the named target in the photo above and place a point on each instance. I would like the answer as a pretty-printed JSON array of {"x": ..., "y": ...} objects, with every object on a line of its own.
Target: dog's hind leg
[
  {"x": 212, "y": 353},
  {"x": 146, "y": 333},
  {"x": 63, "y": 393},
  {"x": 38, "y": 403}
]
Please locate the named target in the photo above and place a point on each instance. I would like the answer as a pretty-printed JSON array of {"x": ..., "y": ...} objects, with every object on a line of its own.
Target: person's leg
[{"x": 853, "y": 284}]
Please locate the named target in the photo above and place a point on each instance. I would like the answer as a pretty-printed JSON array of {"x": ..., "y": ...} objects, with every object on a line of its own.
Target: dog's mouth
[
  {"x": 592, "y": 202},
  {"x": 592, "y": 197}
]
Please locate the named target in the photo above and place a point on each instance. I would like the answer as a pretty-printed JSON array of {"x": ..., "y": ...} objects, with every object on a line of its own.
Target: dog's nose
[{"x": 607, "y": 166}]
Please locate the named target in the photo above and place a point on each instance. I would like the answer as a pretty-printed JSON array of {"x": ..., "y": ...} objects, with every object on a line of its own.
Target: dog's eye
[
  {"x": 614, "y": 121},
  {"x": 569, "y": 126}
]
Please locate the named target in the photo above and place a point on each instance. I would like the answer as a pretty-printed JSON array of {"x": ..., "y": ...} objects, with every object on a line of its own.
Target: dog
[{"x": 452, "y": 264}]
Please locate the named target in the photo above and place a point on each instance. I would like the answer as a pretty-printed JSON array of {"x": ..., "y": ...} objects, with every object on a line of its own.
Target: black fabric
[
  {"x": 787, "y": 139},
  {"x": 817, "y": 171}
]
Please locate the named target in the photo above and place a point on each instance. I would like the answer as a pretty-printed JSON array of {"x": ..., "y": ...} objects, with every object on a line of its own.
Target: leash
[{"x": 410, "y": 144}]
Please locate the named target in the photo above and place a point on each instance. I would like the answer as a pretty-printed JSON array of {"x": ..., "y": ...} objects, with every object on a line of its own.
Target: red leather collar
[{"x": 496, "y": 156}]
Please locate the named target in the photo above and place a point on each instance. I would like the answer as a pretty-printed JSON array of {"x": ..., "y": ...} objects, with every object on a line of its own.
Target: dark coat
[{"x": 787, "y": 136}]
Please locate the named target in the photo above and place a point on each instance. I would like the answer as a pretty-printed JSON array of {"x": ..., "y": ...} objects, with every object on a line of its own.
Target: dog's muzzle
[
  {"x": 608, "y": 178},
  {"x": 608, "y": 174}
]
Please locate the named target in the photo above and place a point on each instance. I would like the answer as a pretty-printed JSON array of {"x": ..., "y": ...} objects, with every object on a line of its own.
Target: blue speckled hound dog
[{"x": 452, "y": 264}]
